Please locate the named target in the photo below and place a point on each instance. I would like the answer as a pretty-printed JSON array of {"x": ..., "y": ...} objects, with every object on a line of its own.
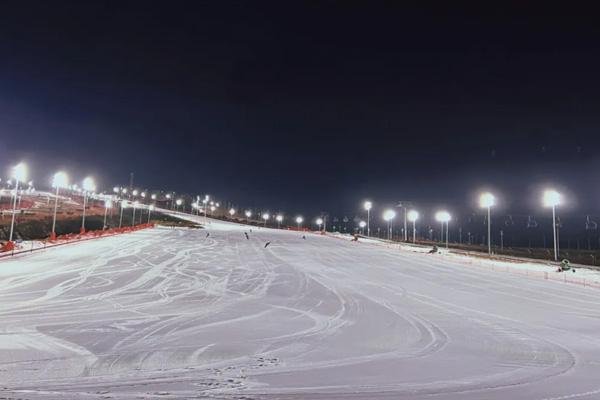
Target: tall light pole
[
  {"x": 59, "y": 181},
  {"x": 319, "y": 222},
  {"x": 150, "y": 209},
  {"x": 413, "y": 216},
  {"x": 444, "y": 218},
  {"x": 19, "y": 173},
  {"x": 299, "y": 220},
  {"x": 388, "y": 216},
  {"x": 368, "y": 205},
  {"x": 552, "y": 199},
  {"x": 362, "y": 225},
  {"x": 107, "y": 204},
  {"x": 487, "y": 200},
  {"x": 232, "y": 212},
  {"x": 279, "y": 218},
  {"x": 135, "y": 204},
  {"x": 178, "y": 202},
  {"x": 123, "y": 205},
  {"x": 266, "y": 217},
  {"x": 248, "y": 214},
  {"x": 88, "y": 186}
]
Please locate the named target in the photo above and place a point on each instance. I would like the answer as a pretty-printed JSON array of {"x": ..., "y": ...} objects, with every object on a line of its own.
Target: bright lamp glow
[
  {"x": 60, "y": 180},
  {"x": 266, "y": 216},
  {"x": 19, "y": 172},
  {"x": 213, "y": 208},
  {"x": 487, "y": 200},
  {"x": 389, "y": 215},
  {"x": 168, "y": 196},
  {"x": 178, "y": 202},
  {"x": 442, "y": 216},
  {"x": 279, "y": 218},
  {"x": 319, "y": 221},
  {"x": 88, "y": 184},
  {"x": 551, "y": 198},
  {"x": 231, "y": 211},
  {"x": 412, "y": 215},
  {"x": 248, "y": 213},
  {"x": 143, "y": 194},
  {"x": 299, "y": 220},
  {"x": 362, "y": 224},
  {"x": 368, "y": 205},
  {"x": 135, "y": 192},
  {"x": 153, "y": 197},
  {"x": 116, "y": 189},
  {"x": 108, "y": 203}
]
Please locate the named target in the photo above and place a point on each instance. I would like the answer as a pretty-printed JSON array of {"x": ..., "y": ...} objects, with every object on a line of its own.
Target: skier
[
  {"x": 434, "y": 250},
  {"x": 247, "y": 237},
  {"x": 564, "y": 266},
  {"x": 304, "y": 237},
  {"x": 207, "y": 234},
  {"x": 267, "y": 244},
  {"x": 355, "y": 238}
]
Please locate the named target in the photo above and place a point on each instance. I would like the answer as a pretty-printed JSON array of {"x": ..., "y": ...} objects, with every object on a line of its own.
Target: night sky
[{"x": 306, "y": 106}]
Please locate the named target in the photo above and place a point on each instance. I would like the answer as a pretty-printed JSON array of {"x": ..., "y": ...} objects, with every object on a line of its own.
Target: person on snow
[
  {"x": 247, "y": 237},
  {"x": 207, "y": 234},
  {"x": 267, "y": 244},
  {"x": 564, "y": 266},
  {"x": 434, "y": 250},
  {"x": 355, "y": 238}
]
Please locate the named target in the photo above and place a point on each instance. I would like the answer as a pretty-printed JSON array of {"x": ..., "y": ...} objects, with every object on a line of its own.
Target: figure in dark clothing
[
  {"x": 207, "y": 234},
  {"x": 434, "y": 250},
  {"x": 304, "y": 237},
  {"x": 247, "y": 237},
  {"x": 267, "y": 244}
]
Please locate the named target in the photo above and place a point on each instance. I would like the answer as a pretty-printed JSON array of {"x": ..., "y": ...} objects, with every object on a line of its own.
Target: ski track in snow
[{"x": 170, "y": 313}]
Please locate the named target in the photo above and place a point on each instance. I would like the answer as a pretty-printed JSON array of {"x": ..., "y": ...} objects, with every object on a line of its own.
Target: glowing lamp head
[
  {"x": 231, "y": 211},
  {"x": 143, "y": 194},
  {"x": 124, "y": 190},
  {"x": 442, "y": 216},
  {"x": 179, "y": 202},
  {"x": 213, "y": 208},
  {"x": 153, "y": 197},
  {"x": 299, "y": 220},
  {"x": 116, "y": 189},
  {"x": 168, "y": 196},
  {"x": 362, "y": 224},
  {"x": 319, "y": 221},
  {"x": 248, "y": 213},
  {"x": 279, "y": 218},
  {"x": 266, "y": 216},
  {"x": 19, "y": 172},
  {"x": 88, "y": 184},
  {"x": 412, "y": 215},
  {"x": 551, "y": 198},
  {"x": 135, "y": 192},
  {"x": 60, "y": 180},
  {"x": 389, "y": 215},
  {"x": 487, "y": 200},
  {"x": 368, "y": 205}
]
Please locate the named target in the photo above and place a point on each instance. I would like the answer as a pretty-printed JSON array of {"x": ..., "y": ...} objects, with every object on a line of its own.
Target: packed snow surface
[{"x": 207, "y": 313}]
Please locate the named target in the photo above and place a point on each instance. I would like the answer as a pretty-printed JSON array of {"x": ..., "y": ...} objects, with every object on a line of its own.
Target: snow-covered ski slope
[{"x": 172, "y": 313}]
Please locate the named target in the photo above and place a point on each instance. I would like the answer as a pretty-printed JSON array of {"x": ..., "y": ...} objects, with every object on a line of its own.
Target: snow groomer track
[{"x": 177, "y": 313}]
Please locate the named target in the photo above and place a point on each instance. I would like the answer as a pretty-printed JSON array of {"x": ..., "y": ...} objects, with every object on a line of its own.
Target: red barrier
[{"x": 9, "y": 249}]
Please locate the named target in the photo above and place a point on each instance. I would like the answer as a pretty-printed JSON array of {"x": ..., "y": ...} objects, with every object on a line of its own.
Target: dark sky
[{"x": 306, "y": 106}]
